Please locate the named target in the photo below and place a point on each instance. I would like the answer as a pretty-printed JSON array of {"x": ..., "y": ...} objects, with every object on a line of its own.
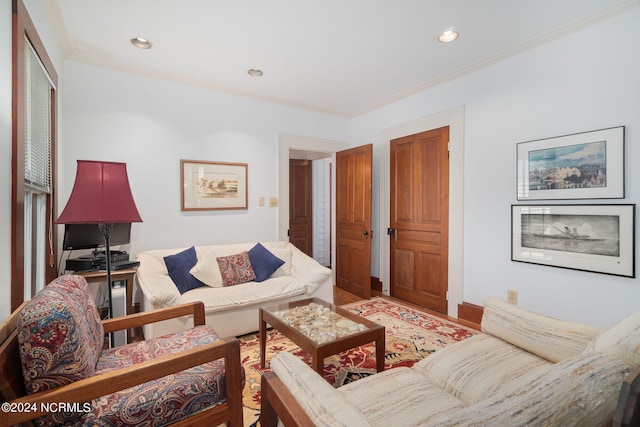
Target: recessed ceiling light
[
  {"x": 255, "y": 72},
  {"x": 448, "y": 36},
  {"x": 141, "y": 43}
]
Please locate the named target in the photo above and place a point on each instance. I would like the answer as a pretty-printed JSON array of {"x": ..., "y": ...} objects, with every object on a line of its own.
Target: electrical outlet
[{"x": 512, "y": 297}]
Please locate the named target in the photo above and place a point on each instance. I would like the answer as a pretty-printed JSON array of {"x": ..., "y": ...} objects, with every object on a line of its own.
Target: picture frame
[
  {"x": 207, "y": 186},
  {"x": 587, "y": 165},
  {"x": 595, "y": 238}
]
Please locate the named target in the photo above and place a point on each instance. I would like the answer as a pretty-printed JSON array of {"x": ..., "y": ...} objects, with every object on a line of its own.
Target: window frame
[{"x": 23, "y": 27}]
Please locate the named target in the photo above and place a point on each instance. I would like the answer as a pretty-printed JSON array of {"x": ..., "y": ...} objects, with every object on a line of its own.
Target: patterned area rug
[{"x": 410, "y": 336}]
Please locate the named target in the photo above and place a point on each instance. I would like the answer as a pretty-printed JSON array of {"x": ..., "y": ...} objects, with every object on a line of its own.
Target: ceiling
[{"x": 342, "y": 57}]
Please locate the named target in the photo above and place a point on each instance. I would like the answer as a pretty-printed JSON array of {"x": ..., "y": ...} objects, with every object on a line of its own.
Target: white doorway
[{"x": 322, "y": 153}]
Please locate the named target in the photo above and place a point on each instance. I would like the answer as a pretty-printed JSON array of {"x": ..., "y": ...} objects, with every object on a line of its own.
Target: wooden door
[
  {"x": 301, "y": 205},
  {"x": 420, "y": 218},
  {"x": 353, "y": 220}
]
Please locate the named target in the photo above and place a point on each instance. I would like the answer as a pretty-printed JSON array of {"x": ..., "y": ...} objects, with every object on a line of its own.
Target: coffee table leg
[
  {"x": 380, "y": 348},
  {"x": 263, "y": 340},
  {"x": 318, "y": 362}
]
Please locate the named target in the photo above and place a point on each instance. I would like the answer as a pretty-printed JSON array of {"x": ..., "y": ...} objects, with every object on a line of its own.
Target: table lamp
[{"x": 101, "y": 195}]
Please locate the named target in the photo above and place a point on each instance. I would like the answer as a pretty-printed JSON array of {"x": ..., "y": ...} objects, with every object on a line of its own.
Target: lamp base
[{"x": 106, "y": 231}]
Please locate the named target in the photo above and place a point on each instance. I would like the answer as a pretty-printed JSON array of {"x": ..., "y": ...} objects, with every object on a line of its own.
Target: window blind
[{"x": 37, "y": 123}]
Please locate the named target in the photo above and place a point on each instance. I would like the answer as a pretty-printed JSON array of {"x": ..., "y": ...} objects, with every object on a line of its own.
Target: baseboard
[{"x": 471, "y": 313}]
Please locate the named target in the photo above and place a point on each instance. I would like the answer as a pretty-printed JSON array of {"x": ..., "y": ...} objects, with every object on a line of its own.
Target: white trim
[{"x": 453, "y": 118}]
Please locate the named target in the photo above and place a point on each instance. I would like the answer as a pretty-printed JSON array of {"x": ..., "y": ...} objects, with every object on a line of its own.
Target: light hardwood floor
[{"x": 341, "y": 297}]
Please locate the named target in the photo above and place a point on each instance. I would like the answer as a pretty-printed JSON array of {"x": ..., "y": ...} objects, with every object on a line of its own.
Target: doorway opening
[
  {"x": 322, "y": 154},
  {"x": 310, "y": 205}
]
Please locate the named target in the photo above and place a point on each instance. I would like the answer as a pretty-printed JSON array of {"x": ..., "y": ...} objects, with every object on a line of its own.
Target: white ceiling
[{"x": 342, "y": 57}]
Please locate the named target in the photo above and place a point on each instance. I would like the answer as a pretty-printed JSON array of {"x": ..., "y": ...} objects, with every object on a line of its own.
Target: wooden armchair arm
[
  {"x": 120, "y": 379},
  {"x": 278, "y": 402},
  {"x": 136, "y": 320}
]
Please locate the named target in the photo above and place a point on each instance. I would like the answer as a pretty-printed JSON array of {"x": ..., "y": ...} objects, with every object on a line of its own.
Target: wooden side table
[{"x": 101, "y": 276}]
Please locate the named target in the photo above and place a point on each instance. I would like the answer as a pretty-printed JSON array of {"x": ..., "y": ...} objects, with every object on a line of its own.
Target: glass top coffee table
[{"x": 321, "y": 329}]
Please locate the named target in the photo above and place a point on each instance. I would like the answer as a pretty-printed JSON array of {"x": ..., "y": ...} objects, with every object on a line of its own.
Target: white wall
[
  {"x": 585, "y": 81},
  {"x": 151, "y": 124}
]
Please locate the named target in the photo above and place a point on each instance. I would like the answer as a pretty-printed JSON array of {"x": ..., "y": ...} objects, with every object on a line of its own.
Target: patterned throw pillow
[
  {"x": 264, "y": 263},
  {"x": 236, "y": 269}
]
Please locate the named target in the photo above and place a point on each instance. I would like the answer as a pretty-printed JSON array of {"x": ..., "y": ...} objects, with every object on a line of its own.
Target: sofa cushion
[
  {"x": 245, "y": 294},
  {"x": 60, "y": 337},
  {"x": 549, "y": 338},
  {"x": 149, "y": 349},
  {"x": 324, "y": 405},
  {"x": 399, "y": 397},
  {"x": 164, "y": 400},
  {"x": 264, "y": 262},
  {"x": 579, "y": 391},
  {"x": 621, "y": 341},
  {"x": 207, "y": 269},
  {"x": 178, "y": 267},
  {"x": 480, "y": 366},
  {"x": 236, "y": 269}
]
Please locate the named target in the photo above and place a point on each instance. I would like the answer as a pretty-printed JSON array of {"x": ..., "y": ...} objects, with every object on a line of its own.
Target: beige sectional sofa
[
  {"x": 230, "y": 310},
  {"x": 524, "y": 369}
]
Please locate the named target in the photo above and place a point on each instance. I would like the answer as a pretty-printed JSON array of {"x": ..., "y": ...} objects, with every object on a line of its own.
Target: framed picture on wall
[
  {"x": 213, "y": 185},
  {"x": 588, "y": 165},
  {"x": 597, "y": 238}
]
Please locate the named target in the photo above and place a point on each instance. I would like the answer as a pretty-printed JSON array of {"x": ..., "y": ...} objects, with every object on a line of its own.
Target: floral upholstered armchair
[{"x": 187, "y": 377}]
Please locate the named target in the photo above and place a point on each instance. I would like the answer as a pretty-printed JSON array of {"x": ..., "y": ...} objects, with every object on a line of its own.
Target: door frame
[
  {"x": 453, "y": 118},
  {"x": 310, "y": 148}
]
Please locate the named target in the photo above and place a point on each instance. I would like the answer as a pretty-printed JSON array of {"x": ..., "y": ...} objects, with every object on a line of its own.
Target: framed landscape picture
[
  {"x": 588, "y": 165},
  {"x": 213, "y": 185},
  {"x": 597, "y": 238}
]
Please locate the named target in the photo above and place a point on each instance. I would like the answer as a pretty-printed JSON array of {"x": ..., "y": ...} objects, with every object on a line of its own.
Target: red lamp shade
[{"x": 100, "y": 195}]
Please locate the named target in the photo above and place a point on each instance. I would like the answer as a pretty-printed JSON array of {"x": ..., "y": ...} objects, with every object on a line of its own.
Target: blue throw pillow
[
  {"x": 178, "y": 266},
  {"x": 264, "y": 263}
]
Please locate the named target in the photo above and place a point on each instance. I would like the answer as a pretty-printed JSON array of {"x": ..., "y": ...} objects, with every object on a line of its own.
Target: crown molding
[{"x": 72, "y": 54}]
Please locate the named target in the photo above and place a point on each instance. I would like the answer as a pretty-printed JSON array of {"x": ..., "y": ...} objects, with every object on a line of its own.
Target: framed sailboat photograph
[{"x": 596, "y": 238}]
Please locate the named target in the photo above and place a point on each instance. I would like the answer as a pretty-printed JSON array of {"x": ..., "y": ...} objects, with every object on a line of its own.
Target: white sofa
[
  {"x": 525, "y": 369},
  {"x": 230, "y": 310}
]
